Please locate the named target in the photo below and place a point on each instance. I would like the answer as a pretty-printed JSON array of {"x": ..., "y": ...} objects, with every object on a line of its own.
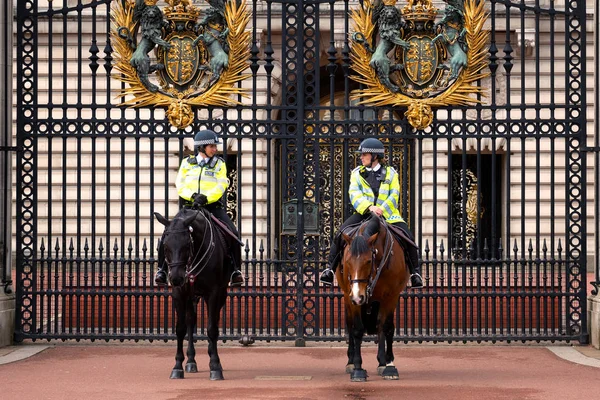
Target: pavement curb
[
  {"x": 19, "y": 353},
  {"x": 574, "y": 356}
]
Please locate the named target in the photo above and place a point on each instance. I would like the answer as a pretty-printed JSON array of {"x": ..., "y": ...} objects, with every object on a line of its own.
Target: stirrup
[
  {"x": 326, "y": 277},
  {"x": 416, "y": 281},
  {"x": 239, "y": 283}
]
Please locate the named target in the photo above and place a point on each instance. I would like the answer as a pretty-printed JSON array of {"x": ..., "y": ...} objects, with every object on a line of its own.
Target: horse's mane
[{"x": 359, "y": 243}]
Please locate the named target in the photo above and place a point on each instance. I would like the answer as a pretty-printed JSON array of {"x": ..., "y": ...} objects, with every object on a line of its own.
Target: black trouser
[
  {"x": 413, "y": 251},
  {"x": 235, "y": 249},
  {"x": 336, "y": 245}
]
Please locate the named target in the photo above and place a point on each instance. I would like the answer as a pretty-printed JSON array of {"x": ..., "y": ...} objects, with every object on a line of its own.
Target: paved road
[{"x": 266, "y": 372}]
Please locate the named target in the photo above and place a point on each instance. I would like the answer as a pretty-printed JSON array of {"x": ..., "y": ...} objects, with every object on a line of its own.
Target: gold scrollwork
[
  {"x": 180, "y": 103},
  {"x": 462, "y": 91}
]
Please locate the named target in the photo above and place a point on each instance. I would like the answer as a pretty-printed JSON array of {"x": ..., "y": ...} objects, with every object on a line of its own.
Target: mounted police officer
[
  {"x": 374, "y": 188},
  {"x": 202, "y": 182}
]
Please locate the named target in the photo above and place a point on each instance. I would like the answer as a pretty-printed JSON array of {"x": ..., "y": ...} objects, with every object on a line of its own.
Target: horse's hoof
[
  {"x": 358, "y": 375},
  {"x": 191, "y": 367},
  {"x": 177, "y": 374},
  {"x": 216, "y": 375},
  {"x": 390, "y": 373},
  {"x": 380, "y": 370},
  {"x": 349, "y": 368}
]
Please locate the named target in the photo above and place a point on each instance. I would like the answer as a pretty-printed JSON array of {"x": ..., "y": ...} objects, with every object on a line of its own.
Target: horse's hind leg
[
  {"x": 381, "y": 341},
  {"x": 180, "y": 329},
  {"x": 190, "y": 365},
  {"x": 389, "y": 371},
  {"x": 215, "y": 302}
]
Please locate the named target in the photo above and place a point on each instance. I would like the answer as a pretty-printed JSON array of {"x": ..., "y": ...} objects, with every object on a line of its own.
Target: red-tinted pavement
[{"x": 263, "y": 372}]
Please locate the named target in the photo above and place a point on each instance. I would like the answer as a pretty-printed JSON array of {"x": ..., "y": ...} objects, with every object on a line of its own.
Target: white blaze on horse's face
[
  {"x": 357, "y": 298},
  {"x": 357, "y": 290}
]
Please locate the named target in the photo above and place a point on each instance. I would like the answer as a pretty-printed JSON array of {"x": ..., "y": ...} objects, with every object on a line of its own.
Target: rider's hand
[
  {"x": 377, "y": 210},
  {"x": 200, "y": 200}
]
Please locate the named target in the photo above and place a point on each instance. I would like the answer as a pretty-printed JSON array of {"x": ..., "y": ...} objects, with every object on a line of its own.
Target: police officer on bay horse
[{"x": 374, "y": 188}]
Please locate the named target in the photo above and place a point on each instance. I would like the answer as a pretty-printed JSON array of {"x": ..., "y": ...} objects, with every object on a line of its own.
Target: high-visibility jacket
[
  {"x": 362, "y": 196},
  {"x": 198, "y": 177}
]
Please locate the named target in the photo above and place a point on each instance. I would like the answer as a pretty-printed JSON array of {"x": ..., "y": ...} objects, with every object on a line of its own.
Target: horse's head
[
  {"x": 178, "y": 244},
  {"x": 362, "y": 255}
]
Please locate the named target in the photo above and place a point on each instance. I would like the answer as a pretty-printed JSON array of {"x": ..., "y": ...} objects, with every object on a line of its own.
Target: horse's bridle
[
  {"x": 372, "y": 280},
  {"x": 194, "y": 266}
]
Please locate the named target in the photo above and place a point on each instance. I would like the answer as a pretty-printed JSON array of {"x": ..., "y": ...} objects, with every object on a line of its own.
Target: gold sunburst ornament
[
  {"x": 200, "y": 57},
  {"x": 417, "y": 63}
]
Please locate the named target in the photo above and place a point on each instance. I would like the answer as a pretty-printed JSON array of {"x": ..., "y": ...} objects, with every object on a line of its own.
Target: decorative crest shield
[
  {"x": 418, "y": 63},
  {"x": 421, "y": 59},
  {"x": 200, "y": 58}
]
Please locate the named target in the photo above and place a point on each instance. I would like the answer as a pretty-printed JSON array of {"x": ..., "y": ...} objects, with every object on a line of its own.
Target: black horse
[{"x": 196, "y": 253}]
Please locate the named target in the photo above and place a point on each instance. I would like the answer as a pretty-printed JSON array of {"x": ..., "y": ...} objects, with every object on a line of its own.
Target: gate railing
[{"x": 73, "y": 284}]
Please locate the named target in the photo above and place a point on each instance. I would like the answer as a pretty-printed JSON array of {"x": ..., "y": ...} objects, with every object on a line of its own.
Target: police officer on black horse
[
  {"x": 202, "y": 182},
  {"x": 374, "y": 188}
]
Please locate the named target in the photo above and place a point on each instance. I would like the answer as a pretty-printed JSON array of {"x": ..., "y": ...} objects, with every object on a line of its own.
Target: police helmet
[
  {"x": 204, "y": 138},
  {"x": 373, "y": 146}
]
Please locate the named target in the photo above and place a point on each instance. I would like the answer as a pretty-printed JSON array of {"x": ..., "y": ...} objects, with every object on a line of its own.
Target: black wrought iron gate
[{"x": 495, "y": 193}]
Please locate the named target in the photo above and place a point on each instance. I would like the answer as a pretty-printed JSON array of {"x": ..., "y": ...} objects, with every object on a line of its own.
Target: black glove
[{"x": 200, "y": 200}]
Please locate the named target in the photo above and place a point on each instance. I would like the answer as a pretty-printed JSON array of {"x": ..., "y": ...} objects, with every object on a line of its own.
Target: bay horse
[
  {"x": 372, "y": 275},
  {"x": 196, "y": 254}
]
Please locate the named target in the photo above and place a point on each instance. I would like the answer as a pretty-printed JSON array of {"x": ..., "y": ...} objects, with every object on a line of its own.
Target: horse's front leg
[
  {"x": 349, "y": 327},
  {"x": 215, "y": 302},
  {"x": 190, "y": 365},
  {"x": 180, "y": 328},
  {"x": 350, "y": 365},
  {"x": 388, "y": 371},
  {"x": 358, "y": 330}
]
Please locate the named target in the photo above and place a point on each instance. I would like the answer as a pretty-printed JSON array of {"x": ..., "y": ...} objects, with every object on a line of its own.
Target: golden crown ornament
[
  {"x": 178, "y": 58},
  {"x": 419, "y": 63}
]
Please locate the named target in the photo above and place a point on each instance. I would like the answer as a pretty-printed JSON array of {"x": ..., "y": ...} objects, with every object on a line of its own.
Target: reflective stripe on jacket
[
  {"x": 362, "y": 196},
  {"x": 202, "y": 178}
]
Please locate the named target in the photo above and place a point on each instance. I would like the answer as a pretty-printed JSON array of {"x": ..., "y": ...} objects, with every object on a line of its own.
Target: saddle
[
  {"x": 401, "y": 237},
  {"x": 224, "y": 229}
]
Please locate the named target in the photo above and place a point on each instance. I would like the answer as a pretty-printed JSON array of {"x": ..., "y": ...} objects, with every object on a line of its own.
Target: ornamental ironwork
[
  {"x": 200, "y": 57},
  {"x": 418, "y": 63}
]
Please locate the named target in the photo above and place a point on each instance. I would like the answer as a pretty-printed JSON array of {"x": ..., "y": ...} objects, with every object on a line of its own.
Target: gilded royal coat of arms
[
  {"x": 179, "y": 57},
  {"x": 419, "y": 63}
]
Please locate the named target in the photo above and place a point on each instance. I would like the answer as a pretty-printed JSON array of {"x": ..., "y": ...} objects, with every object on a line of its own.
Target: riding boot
[
  {"x": 236, "y": 278},
  {"x": 416, "y": 281},
  {"x": 327, "y": 275},
  {"x": 160, "y": 278}
]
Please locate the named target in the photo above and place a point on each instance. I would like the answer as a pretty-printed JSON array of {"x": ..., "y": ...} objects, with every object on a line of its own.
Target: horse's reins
[
  {"x": 372, "y": 281},
  {"x": 191, "y": 265}
]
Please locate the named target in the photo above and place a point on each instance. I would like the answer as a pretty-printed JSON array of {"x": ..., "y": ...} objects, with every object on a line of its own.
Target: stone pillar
[
  {"x": 594, "y": 300},
  {"x": 7, "y": 297}
]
